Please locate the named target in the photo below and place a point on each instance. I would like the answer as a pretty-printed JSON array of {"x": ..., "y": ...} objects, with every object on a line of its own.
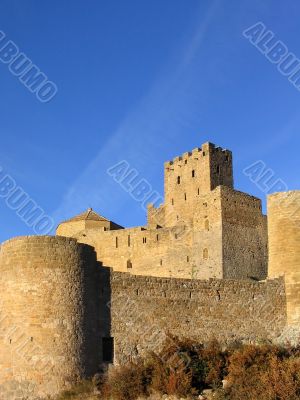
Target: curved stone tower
[
  {"x": 284, "y": 246},
  {"x": 49, "y": 316}
]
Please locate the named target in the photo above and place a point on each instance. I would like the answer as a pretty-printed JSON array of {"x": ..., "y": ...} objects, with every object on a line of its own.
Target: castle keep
[
  {"x": 205, "y": 228},
  {"x": 208, "y": 264}
]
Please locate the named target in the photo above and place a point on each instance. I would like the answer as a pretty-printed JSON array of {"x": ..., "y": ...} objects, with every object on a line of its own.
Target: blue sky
[{"x": 141, "y": 81}]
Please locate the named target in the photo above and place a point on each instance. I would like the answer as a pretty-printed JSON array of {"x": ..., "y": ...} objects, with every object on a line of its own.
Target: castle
[
  {"x": 205, "y": 228},
  {"x": 208, "y": 264}
]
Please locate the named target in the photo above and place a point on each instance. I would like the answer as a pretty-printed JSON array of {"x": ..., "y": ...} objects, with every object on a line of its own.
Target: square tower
[{"x": 188, "y": 177}]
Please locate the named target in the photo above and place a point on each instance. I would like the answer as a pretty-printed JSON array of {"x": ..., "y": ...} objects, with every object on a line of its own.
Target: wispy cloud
[{"x": 159, "y": 119}]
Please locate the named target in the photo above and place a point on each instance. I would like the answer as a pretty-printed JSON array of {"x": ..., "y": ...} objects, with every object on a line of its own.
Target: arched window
[
  {"x": 205, "y": 254},
  {"x": 206, "y": 225}
]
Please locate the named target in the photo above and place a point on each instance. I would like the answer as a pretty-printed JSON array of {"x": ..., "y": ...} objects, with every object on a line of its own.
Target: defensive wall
[
  {"x": 105, "y": 294},
  {"x": 284, "y": 245},
  {"x": 49, "y": 315},
  {"x": 227, "y": 238},
  {"x": 144, "y": 310},
  {"x": 205, "y": 228}
]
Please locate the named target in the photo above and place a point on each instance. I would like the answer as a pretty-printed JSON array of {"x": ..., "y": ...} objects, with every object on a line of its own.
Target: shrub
[
  {"x": 182, "y": 368},
  {"x": 169, "y": 376},
  {"x": 81, "y": 390},
  {"x": 126, "y": 382},
  {"x": 185, "y": 368},
  {"x": 264, "y": 372}
]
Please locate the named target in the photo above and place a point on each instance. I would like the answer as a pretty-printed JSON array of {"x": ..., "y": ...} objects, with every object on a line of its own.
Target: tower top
[{"x": 206, "y": 149}]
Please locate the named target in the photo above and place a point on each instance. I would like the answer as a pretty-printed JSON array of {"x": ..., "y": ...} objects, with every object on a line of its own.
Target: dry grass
[{"x": 83, "y": 391}]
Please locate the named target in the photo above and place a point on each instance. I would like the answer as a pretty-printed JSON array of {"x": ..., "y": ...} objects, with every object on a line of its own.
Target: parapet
[{"x": 205, "y": 149}]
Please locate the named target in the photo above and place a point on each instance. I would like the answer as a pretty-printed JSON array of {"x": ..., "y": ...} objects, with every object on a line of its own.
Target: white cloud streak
[{"x": 157, "y": 121}]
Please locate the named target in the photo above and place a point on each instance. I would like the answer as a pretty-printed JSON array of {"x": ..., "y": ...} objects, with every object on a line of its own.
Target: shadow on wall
[
  {"x": 96, "y": 318},
  {"x": 104, "y": 306}
]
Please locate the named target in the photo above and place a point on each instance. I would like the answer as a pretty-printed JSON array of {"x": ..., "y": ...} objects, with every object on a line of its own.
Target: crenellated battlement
[
  {"x": 97, "y": 292},
  {"x": 205, "y": 149}
]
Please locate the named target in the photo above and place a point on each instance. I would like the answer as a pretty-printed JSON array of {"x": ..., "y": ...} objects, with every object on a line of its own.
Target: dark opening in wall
[
  {"x": 160, "y": 262},
  {"x": 198, "y": 191},
  {"x": 184, "y": 196},
  {"x": 178, "y": 180},
  {"x": 218, "y": 169},
  {"x": 128, "y": 240},
  {"x": 206, "y": 225},
  {"x": 108, "y": 349},
  {"x": 187, "y": 258},
  {"x": 117, "y": 242},
  {"x": 144, "y": 240},
  {"x": 172, "y": 202},
  {"x": 157, "y": 237},
  {"x": 193, "y": 173},
  {"x": 129, "y": 264}
]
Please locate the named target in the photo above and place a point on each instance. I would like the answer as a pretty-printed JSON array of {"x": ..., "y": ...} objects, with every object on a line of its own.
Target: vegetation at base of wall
[
  {"x": 83, "y": 391},
  {"x": 185, "y": 368}
]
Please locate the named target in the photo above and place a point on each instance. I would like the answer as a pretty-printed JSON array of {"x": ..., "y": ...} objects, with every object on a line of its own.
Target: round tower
[
  {"x": 284, "y": 246},
  {"x": 48, "y": 315}
]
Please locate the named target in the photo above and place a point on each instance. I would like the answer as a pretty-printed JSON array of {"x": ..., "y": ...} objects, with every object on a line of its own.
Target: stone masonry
[
  {"x": 49, "y": 315},
  {"x": 98, "y": 293},
  {"x": 205, "y": 228}
]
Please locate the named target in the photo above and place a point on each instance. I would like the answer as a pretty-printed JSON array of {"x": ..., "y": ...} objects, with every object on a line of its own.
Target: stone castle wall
[
  {"x": 192, "y": 175},
  {"x": 284, "y": 242},
  {"x": 49, "y": 312},
  {"x": 205, "y": 229},
  {"x": 161, "y": 252},
  {"x": 227, "y": 238},
  {"x": 244, "y": 236},
  {"x": 63, "y": 311},
  {"x": 144, "y": 309}
]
